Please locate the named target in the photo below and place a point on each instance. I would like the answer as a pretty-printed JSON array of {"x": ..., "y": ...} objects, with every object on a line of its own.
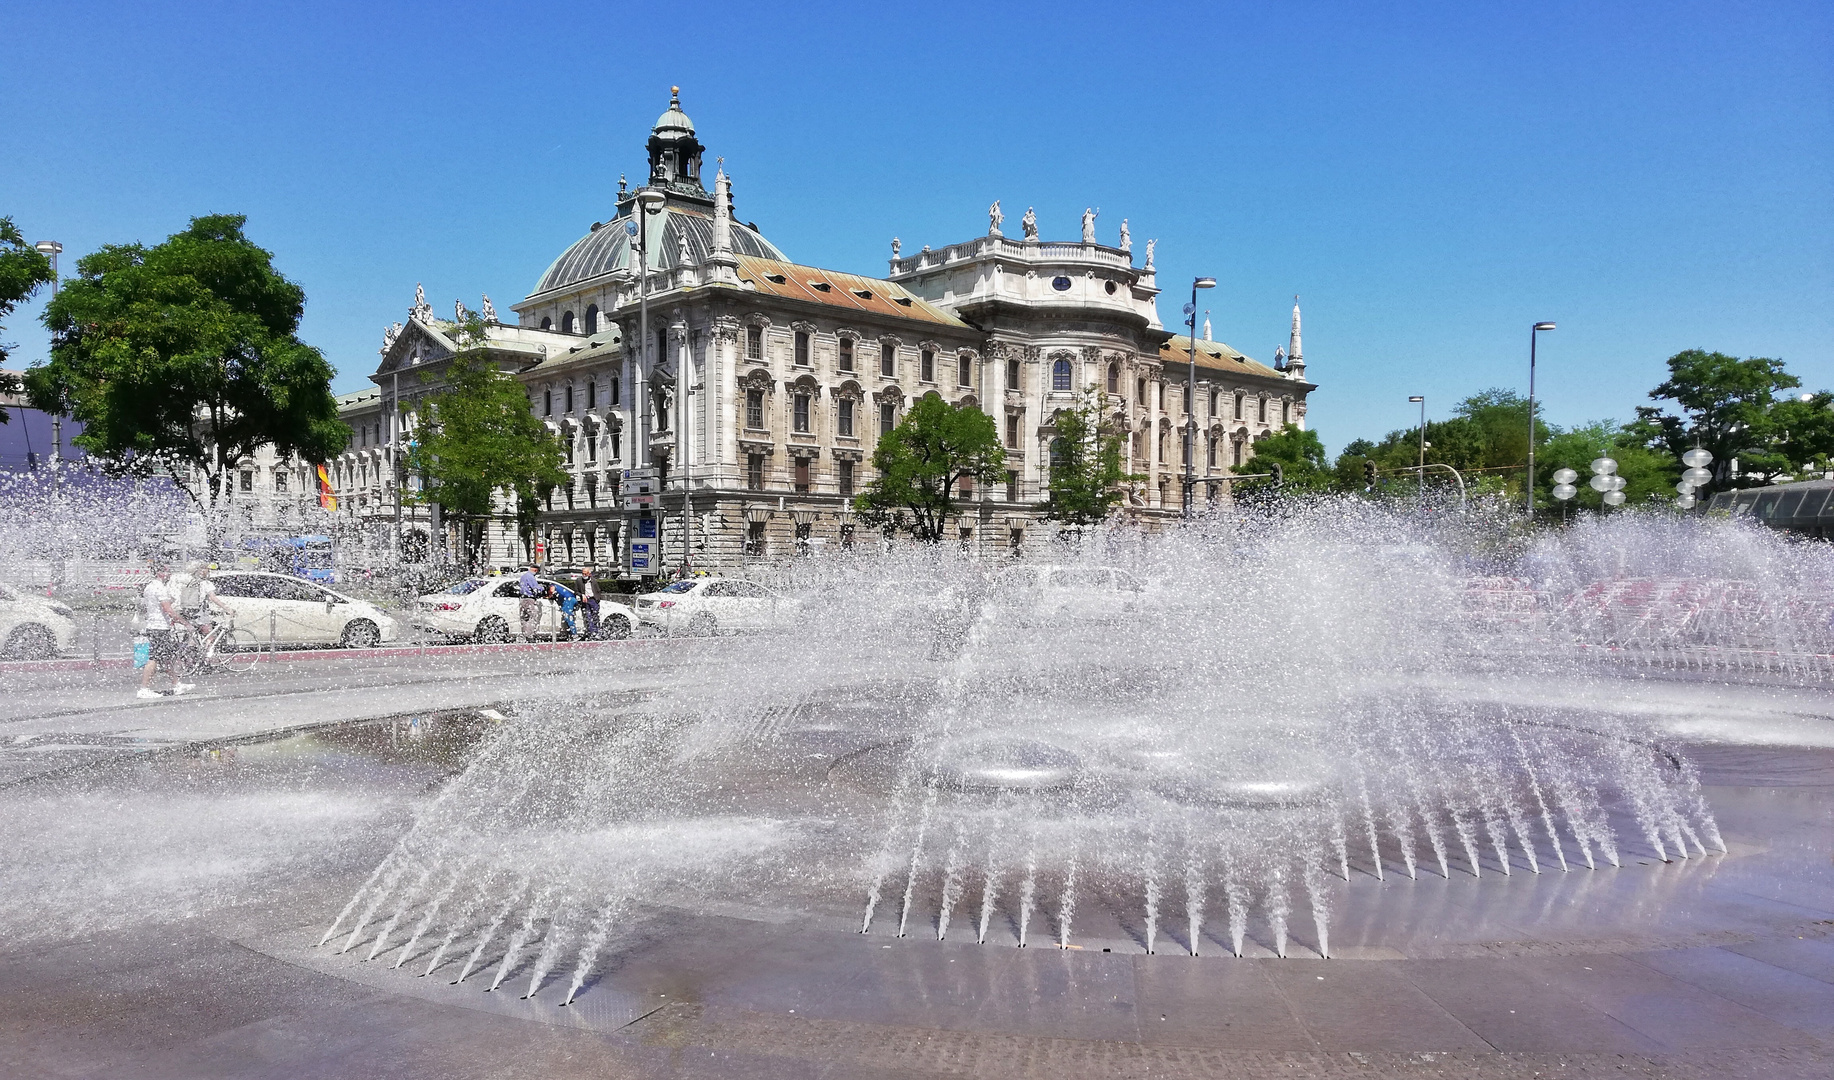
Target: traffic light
[
  {"x": 1369, "y": 473},
  {"x": 1279, "y": 474}
]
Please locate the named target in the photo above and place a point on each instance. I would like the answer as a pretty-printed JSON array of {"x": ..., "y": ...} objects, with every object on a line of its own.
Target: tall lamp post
[
  {"x": 1534, "y": 335},
  {"x": 649, "y": 203},
  {"x": 1420, "y": 400},
  {"x": 1190, "y": 397},
  {"x": 51, "y": 249}
]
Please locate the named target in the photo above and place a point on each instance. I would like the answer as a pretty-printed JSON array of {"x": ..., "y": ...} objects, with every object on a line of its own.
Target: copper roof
[
  {"x": 1216, "y": 356},
  {"x": 834, "y": 289}
]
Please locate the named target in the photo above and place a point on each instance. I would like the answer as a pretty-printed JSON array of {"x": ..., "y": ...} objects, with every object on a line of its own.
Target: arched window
[
  {"x": 1114, "y": 378},
  {"x": 1060, "y": 374},
  {"x": 566, "y": 322},
  {"x": 592, "y": 319},
  {"x": 547, "y": 323},
  {"x": 1165, "y": 435}
]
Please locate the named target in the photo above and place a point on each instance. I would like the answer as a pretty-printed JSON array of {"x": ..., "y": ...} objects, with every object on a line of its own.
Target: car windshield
[
  {"x": 468, "y": 585},
  {"x": 679, "y": 587}
]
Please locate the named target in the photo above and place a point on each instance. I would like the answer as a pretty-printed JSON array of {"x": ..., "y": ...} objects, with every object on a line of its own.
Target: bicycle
[{"x": 223, "y": 648}]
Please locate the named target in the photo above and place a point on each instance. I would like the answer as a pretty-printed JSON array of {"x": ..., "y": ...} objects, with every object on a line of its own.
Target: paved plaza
[{"x": 1721, "y": 965}]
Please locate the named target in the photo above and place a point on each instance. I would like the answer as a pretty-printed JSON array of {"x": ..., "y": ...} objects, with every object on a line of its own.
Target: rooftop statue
[
  {"x": 994, "y": 219},
  {"x": 1089, "y": 216},
  {"x": 490, "y": 310},
  {"x": 1030, "y": 224},
  {"x": 1127, "y": 240},
  {"x": 458, "y": 312},
  {"x": 894, "y": 247},
  {"x": 422, "y": 310},
  {"x": 1150, "y": 245}
]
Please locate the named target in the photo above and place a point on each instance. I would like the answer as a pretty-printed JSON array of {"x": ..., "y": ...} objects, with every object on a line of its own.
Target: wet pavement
[{"x": 163, "y": 905}]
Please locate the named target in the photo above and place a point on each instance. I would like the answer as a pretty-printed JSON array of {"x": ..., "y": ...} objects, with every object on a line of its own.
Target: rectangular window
[
  {"x": 1286, "y": 414},
  {"x": 927, "y": 371},
  {"x": 617, "y": 444},
  {"x": 1015, "y": 539},
  {"x": 248, "y": 480},
  {"x": 846, "y": 354},
  {"x": 888, "y": 360},
  {"x": 1212, "y": 458},
  {"x": 754, "y": 538},
  {"x": 888, "y": 418},
  {"x": 754, "y": 471},
  {"x": 754, "y": 409},
  {"x": 846, "y": 478},
  {"x": 592, "y": 394},
  {"x": 1140, "y": 393},
  {"x": 964, "y": 374},
  {"x": 1012, "y": 429},
  {"x": 569, "y": 397},
  {"x": 1235, "y": 455},
  {"x": 547, "y": 402},
  {"x": 801, "y": 406},
  {"x": 569, "y": 448},
  {"x": 1013, "y": 373},
  {"x": 967, "y": 487},
  {"x": 802, "y": 475},
  {"x": 802, "y": 348},
  {"x": 1262, "y": 417},
  {"x": 754, "y": 343},
  {"x": 1012, "y": 486},
  {"x": 847, "y": 537},
  {"x": 1213, "y": 400},
  {"x": 592, "y": 447},
  {"x": 280, "y": 481},
  {"x": 1161, "y": 386},
  {"x": 1238, "y": 409},
  {"x": 614, "y": 389},
  {"x": 592, "y": 491},
  {"x": 846, "y": 417}
]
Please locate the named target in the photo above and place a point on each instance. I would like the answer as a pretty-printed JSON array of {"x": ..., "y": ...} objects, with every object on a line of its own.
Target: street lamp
[
  {"x": 1696, "y": 475},
  {"x": 1421, "y": 401},
  {"x": 1190, "y": 395},
  {"x": 1564, "y": 489},
  {"x": 51, "y": 249},
  {"x": 1533, "y": 335},
  {"x": 649, "y": 203}
]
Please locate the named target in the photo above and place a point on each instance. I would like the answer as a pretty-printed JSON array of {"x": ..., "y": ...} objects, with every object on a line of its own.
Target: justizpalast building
[{"x": 678, "y": 341}]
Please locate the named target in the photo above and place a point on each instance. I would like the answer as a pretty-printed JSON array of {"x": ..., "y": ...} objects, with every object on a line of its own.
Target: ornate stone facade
[{"x": 760, "y": 386}]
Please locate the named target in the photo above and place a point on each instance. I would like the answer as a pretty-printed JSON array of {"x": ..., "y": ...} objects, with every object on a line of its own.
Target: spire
[
  {"x": 1207, "y": 326},
  {"x": 1295, "y": 360},
  {"x": 724, "y": 263}
]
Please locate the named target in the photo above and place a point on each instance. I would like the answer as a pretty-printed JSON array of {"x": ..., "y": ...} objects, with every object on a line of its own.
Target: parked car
[
  {"x": 295, "y": 611},
  {"x": 1047, "y": 593},
  {"x": 709, "y": 605},
  {"x": 33, "y": 627},
  {"x": 487, "y": 609}
]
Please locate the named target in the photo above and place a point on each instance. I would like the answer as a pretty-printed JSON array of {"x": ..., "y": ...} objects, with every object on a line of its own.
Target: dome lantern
[{"x": 675, "y": 153}]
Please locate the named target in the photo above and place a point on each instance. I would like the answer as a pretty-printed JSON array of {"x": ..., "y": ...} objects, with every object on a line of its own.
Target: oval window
[
  {"x": 1110, "y": 288},
  {"x": 1061, "y": 284}
]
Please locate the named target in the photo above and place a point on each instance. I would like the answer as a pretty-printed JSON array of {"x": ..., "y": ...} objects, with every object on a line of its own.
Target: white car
[
  {"x": 1047, "y": 593},
  {"x": 294, "y": 611},
  {"x": 488, "y": 609},
  {"x": 33, "y": 627},
  {"x": 710, "y": 605}
]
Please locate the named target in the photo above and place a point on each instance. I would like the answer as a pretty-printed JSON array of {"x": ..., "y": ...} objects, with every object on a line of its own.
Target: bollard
[
  {"x": 273, "y": 632},
  {"x": 95, "y": 640}
]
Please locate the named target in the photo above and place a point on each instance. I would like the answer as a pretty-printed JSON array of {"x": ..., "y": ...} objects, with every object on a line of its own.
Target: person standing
[
  {"x": 589, "y": 595},
  {"x": 528, "y": 608},
  {"x": 160, "y": 600},
  {"x": 568, "y": 600}
]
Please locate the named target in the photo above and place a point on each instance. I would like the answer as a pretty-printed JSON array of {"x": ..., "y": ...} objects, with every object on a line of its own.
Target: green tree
[
  {"x": 1649, "y": 475},
  {"x": 1729, "y": 407},
  {"x": 1302, "y": 460},
  {"x": 921, "y": 464},
  {"x": 477, "y": 437},
  {"x": 22, "y": 270},
  {"x": 1086, "y": 470},
  {"x": 185, "y": 357}
]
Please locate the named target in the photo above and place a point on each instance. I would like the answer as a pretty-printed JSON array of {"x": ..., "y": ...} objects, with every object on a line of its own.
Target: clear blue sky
[{"x": 1431, "y": 178}]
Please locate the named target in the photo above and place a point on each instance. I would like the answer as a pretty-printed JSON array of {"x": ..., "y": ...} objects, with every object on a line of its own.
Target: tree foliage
[
  {"x": 1738, "y": 410},
  {"x": 1302, "y": 460},
  {"x": 477, "y": 437},
  {"x": 921, "y": 464},
  {"x": 185, "y": 356},
  {"x": 1086, "y": 470},
  {"x": 22, "y": 270}
]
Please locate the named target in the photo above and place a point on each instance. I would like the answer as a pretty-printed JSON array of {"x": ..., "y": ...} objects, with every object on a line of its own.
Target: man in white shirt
[{"x": 160, "y": 600}]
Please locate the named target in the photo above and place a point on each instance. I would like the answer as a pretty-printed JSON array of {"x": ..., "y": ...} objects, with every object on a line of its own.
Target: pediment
[{"x": 415, "y": 346}]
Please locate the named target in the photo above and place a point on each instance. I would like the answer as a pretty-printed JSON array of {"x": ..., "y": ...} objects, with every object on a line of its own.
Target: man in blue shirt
[
  {"x": 528, "y": 607},
  {"x": 568, "y": 600}
]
